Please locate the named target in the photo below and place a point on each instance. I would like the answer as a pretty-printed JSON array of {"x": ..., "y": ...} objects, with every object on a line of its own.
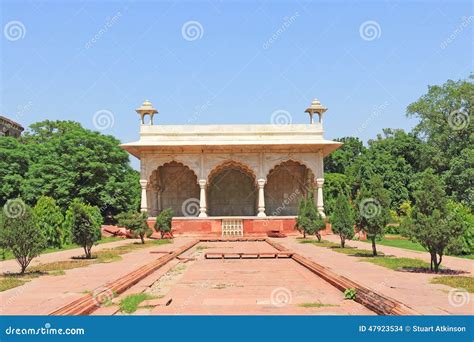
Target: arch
[
  {"x": 287, "y": 182},
  {"x": 174, "y": 185},
  {"x": 150, "y": 165},
  {"x": 232, "y": 190}
]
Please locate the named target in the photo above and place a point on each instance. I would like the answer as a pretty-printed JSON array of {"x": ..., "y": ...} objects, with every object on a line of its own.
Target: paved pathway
[
  {"x": 42, "y": 295},
  {"x": 452, "y": 262},
  {"x": 412, "y": 289}
]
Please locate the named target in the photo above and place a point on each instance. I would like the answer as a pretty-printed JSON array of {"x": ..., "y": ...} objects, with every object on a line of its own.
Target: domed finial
[
  {"x": 317, "y": 108},
  {"x": 146, "y": 109}
]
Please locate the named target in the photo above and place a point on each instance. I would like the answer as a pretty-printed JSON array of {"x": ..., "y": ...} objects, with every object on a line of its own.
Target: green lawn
[
  {"x": 336, "y": 247},
  {"x": 7, "y": 255},
  {"x": 315, "y": 305},
  {"x": 397, "y": 263},
  {"x": 459, "y": 282},
  {"x": 401, "y": 242}
]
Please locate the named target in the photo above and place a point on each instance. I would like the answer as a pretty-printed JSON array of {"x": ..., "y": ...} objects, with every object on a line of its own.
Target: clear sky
[{"x": 229, "y": 62}]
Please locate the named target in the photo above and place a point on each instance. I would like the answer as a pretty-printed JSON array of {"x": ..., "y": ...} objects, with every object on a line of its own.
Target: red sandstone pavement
[
  {"x": 13, "y": 267},
  {"x": 42, "y": 295},
  {"x": 412, "y": 289},
  {"x": 239, "y": 286},
  {"x": 451, "y": 262}
]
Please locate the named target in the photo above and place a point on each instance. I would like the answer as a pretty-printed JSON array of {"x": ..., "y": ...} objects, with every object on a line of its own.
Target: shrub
[
  {"x": 136, "y": 222},
  {"x": 163, "y": 222},
  {"x": 85, "y": 222},
  {"x": 350, "y": 294},
  {"x": 434, "y": 223},
  {"x": 342, "y": 220},
  {"x": 49, "y": 220},
  {"x": 19, "y": 233}
]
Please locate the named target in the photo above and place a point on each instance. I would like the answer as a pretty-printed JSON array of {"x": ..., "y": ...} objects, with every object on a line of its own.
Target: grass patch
[
  {"x": 57, "y": 273},
  {"x": 323, "y": 243},
  {"x": 10, "y": 283},
  {"x": 315, "y": 305},
  {"x": 461, "y": 282},
  {"x": 394, "y": 240},
  {"x": 6, "y": 254},
  {"x": 130, "y": 303},
  {"x": 398, "y": 264}
]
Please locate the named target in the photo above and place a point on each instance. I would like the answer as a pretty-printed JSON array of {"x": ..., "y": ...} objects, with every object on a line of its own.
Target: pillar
[
  {"x": 143, "y": 203},
  {"x": 320, "y": 203},
  {"x": 261, "y": 197},
  {"x": 202, "y": 198}
]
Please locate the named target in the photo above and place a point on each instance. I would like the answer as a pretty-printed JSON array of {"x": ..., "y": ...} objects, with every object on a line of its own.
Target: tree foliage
[
  {"x": 163, "y": 222},
  {"x": 373, "y": 214},
  {"x": 62, "y": 160},
  {"x": 20, "y": 234},
  {"x": 309, "y": 220},
  {"x": 342, "y": 220},
  {"x": 433, "y": 223},
  {"x": 49, "y": 220},
  {"x": 84, "y": 223},
  {"x": 136, "y": 222}
]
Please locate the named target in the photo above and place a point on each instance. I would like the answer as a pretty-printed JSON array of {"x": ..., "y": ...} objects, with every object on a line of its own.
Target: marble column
[
  {"x": 261, "y": 197},
  {"x": 144, "y": 201},
  {"x": 320, "y": 202},
  {"x": 202, "y": 198}
]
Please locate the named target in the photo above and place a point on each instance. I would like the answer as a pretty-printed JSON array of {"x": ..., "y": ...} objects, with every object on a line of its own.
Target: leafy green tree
[
  {"x": 341, "y": 159},
  {"x": 373, "y": 215},
  {"x": 459, "y": 178},
  {"x": 163, "y": 222},
  {"x": 20, "y": 234},
  {"x": 309, "y": 221},
  {"x": 445, "y": 114},
  {"x": 68, "y": 162},
  {"x": 49, "y": 220},
  {"x": 433, "y": 223},
  {"x": 334, "y": 184},
  {"x": 464, "y": 244},
  {"x": 136, "y": 222},
  {"x": 14, "y": 161},
  {"x": 342, "y": 221},
  {"x": 85, "y": 221}
]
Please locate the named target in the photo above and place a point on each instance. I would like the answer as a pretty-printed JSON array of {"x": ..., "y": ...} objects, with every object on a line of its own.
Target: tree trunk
[
  {"x": 437, "y": 263},
  {"x": 374, "y": 248},
  {"x": 304, "y": 234},
  {"x": 23, "y": 268},
  {"x": 318, "y": 236},
  {"x": 433, "y": 261},
  {"x": 343, "y": 241},
  {"x": 142, "y": 237}
]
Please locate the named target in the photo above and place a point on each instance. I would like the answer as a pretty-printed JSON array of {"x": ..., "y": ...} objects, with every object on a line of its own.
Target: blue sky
[{"x": 238, "y": 62}]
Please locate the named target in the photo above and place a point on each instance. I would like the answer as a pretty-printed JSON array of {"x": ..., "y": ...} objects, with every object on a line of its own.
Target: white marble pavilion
[{"x": 248, "y": 175}]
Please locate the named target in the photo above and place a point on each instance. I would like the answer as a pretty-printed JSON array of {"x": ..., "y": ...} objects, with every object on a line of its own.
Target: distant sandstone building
[
  {"x": 10, "y": 128},
  {"x": 230, "y": 180}
]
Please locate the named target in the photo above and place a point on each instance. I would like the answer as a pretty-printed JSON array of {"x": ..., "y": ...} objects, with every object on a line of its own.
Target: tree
[
  {"x": 342, "y": 220},
  {"x": 85, "y": 222},
  {"x": 20, "y": 234},
  {"x": 14, "y": 161},
  {"x": 309, "y": 220},
  {"x": 334, "y": 185},
  {"x": 433, "y": 223},
  {"x": 49, "y": 220},
  {"x": 373, "y": 215},
  {"x": 136, "y": 222},
  {"x": 444, "y": 113},
  {"x": 66, "y": 161},
  {"x": 464, "y": 244},
  {"x": 163, "y": 222},
  {"x": 345, "y": 156}
]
